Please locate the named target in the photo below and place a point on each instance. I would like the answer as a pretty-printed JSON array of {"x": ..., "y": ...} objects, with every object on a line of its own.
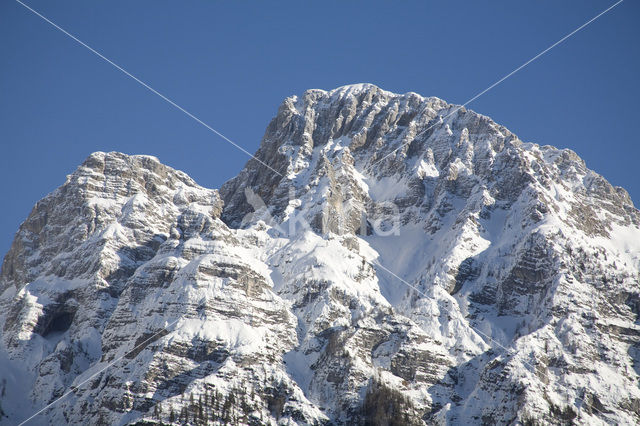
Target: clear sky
[{"x": 231, "y": 63}]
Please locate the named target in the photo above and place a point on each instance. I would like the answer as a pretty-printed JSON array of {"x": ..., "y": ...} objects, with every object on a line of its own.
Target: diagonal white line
[
  {"x": 513, "y": 351},
  {"x": 425, "y": 295},
  {"x": 171, "y": 102},
  {"x": 401, "y": 279},
  {"x": 75, "y": 387},
  {"x": 458, "y": 108},
  {"x": 145, "y": 85}
]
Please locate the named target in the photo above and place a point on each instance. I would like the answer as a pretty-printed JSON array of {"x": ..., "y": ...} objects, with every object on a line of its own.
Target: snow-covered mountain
[{"x": 385, "y": 259}]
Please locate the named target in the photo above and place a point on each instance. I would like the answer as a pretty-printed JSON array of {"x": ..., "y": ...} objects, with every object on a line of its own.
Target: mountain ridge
[{"x": 397, "y": 248}]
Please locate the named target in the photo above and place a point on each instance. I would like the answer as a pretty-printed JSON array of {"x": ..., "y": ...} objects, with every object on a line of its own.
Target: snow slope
[{"x": 405, "y": 251}]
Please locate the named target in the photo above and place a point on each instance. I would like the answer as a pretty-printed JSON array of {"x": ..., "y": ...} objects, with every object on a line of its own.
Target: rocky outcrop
[{"x": 397, "y": 255}]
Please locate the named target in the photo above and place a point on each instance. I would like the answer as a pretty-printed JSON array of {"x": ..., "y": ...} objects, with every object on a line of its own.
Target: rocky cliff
[{"x": 399, "y": 260}]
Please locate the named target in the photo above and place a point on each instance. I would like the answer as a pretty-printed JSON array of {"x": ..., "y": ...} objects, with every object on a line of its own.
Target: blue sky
[{"x": 232, "y": 63}]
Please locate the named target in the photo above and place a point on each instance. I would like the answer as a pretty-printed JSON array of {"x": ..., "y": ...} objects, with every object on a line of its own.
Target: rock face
[{"x": 399, "y": 260}]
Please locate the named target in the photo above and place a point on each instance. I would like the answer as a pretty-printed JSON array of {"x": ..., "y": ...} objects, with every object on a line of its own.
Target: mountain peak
[
  {"x": 358, "y": 89},
  {"x": 397, "y": 252},
  {"x": 99, "y": 157}
]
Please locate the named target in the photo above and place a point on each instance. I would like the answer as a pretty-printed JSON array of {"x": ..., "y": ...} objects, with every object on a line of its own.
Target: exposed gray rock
[{"x": 397, "y": 248}]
